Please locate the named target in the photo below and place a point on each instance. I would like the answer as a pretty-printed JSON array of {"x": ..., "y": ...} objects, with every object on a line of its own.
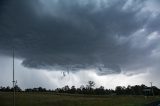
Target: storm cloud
[{"x": 109, "y": 36}]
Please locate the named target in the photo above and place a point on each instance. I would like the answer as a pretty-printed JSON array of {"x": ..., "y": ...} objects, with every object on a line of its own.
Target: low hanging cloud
[{"x": 72, "y": 35}]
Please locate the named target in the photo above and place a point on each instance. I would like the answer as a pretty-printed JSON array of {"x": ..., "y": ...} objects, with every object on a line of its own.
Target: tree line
[{"x": 90, "y": 89}]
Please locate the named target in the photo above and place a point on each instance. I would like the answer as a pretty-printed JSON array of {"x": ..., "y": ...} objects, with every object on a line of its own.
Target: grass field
[{"x": 51, "y": 99}]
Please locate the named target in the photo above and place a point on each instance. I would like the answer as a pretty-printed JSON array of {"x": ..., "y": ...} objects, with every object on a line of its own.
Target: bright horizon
[{"x": 30, "y": 78}]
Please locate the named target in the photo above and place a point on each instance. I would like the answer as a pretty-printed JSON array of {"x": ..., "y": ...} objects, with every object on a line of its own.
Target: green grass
[{"x": 51, "y": 99}]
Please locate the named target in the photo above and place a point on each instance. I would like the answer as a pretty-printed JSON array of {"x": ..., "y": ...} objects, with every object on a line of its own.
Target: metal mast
[
  {"x": 152, "y": 89},
  {"x": 13, "y": 81}
]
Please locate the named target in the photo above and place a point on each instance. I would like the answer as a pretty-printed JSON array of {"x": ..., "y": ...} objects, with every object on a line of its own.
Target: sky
[{"x": 69, "y": 42}]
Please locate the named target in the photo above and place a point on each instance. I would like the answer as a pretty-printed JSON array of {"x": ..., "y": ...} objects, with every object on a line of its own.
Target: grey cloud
[
  {"x": 154, "y": 24},
  {"x": 72, "y": 34}
]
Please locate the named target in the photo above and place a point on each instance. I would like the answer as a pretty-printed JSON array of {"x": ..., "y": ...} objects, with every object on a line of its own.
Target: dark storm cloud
[{"x": 73, "y": 34}]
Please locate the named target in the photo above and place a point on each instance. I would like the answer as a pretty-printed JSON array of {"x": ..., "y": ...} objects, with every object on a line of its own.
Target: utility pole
[
  {"x": 13, "y": 81},
  {"x": 152, "y": 88}
]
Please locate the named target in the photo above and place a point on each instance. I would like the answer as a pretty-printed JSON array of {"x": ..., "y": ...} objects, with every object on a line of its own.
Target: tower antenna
[
  {"x": 152, "y": 88},
  {"x": 13, "y": 80}
]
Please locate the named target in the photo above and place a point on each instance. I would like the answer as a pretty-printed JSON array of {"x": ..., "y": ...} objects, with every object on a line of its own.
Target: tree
[
  {"x": 66, "y": 89},
  {"x": 119, "y": 90},
  {"x": 99, "y": 91},
  {"x": 82, "y": 87},
  {"x": 91, "y": 84},
  {"x": 73, "y": 89},
  {"x": 17, "y": 88},
  {"x": 89, "y": 89}
]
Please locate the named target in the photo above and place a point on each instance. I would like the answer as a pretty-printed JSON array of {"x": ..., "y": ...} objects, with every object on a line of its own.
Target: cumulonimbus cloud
[{"x": 78, "y": 34}]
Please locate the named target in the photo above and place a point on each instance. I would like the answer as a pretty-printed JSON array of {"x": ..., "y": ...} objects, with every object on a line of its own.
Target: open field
[{"x": 51, "y": 99}]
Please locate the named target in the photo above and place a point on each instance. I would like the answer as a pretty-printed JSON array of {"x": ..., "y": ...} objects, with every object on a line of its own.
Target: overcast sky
[{"x": 60, "y": 42}]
